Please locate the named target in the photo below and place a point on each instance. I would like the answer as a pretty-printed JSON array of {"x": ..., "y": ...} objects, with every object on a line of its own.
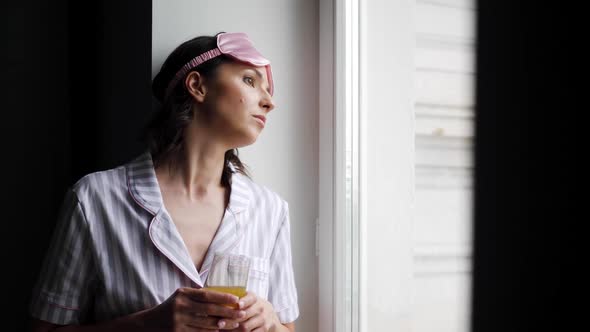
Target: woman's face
[{"x": 239, "y": 92}]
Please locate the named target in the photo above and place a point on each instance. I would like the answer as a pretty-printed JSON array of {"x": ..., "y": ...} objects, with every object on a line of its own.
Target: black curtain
[
  {"x": 524, "y": 206},
  {"x": 76, "y": 92}
]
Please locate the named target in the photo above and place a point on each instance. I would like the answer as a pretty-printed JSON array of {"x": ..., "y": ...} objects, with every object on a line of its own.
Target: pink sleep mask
[{"x": 235, "y": 44}]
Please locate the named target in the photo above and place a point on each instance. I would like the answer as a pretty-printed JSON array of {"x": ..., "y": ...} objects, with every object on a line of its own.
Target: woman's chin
[{"x": 248, "y": 139}]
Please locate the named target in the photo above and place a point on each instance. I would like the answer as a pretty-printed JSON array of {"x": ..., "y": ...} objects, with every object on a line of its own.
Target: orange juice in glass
[{"x": 229, "y": 274}]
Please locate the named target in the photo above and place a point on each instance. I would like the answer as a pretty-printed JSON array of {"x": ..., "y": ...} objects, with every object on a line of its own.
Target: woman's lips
[{"x": 261, "y": 119}]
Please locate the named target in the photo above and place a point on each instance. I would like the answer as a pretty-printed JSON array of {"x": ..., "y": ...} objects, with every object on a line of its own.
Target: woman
[{"x": 133, "y": 245}]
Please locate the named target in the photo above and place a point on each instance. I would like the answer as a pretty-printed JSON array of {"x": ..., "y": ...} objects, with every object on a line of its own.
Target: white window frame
[
  {"x": 352, "y": 114},
  {"x": 335, "y": 308}
]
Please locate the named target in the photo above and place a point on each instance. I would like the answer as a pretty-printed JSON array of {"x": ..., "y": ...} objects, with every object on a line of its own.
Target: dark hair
[{"x": 164, "y": 133}]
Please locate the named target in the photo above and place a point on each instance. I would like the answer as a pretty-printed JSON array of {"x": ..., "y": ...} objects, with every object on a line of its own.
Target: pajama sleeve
[
  {"x": 64, "y": 286},
  {"x": 282, "y": 290}
]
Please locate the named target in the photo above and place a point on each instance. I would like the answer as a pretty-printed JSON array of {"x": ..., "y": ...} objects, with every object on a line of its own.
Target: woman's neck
[{"x": 194, "y": 174}]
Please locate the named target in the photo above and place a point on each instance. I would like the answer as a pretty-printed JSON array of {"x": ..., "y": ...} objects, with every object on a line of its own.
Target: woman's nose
[{"x": 267, "y": 103}]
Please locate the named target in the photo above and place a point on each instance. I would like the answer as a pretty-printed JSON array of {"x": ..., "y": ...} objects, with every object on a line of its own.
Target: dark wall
[{"x": 75, "y": 92}]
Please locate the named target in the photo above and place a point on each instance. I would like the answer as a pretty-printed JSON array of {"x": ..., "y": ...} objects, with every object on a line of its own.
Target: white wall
[{"x": 285, "y": 157}]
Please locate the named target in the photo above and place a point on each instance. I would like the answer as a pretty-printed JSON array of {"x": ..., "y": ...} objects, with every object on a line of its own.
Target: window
[
  {"x": 444, "y": 119},
  {"x": 396, "y": 133}
]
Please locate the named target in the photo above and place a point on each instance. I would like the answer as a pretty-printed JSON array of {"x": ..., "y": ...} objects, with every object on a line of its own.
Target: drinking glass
[{"x": 229, "y": 274}]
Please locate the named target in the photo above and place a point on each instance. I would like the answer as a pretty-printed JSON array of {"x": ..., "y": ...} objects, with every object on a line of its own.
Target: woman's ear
[{"x": 195, "y": 85}]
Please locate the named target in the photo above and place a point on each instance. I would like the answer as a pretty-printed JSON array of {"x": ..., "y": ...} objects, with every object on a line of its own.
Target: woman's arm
[{"x": 187, "y": 307}]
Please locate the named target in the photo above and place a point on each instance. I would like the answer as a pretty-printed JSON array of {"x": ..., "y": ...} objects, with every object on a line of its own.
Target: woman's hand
[
  {"x": 191, "y": 309},
  {"x": 260, "y": 315}
]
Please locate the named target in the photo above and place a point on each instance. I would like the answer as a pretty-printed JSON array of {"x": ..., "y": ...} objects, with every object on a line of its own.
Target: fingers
[
  {"x": 254, "y": 310},
  {"x": 227, "y": 325},
  {"x": 247, "y": 301},
  {"x": 250, "y": 308},
  {"x": 186, "y": 305},
  {"x": 202, "y": 323},
  {"x": 199, "y": 308},
  {"x": 201, "y": 295},
  {"x": 253, "y": 318},
  {"x": 234, "y": 323},
  {"x": 205, "y": 315},
  {"x": 261, "y": 329},
  {"x": 208, "y": 323},
  {"x": 252, "y": 323}
]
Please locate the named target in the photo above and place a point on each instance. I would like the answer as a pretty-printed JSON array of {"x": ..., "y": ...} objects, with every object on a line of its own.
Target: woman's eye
[{"x": 249, "y": 80}]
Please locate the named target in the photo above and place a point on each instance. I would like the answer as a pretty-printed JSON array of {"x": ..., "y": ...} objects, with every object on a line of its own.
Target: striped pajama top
[{"x": 115, "y": 249}]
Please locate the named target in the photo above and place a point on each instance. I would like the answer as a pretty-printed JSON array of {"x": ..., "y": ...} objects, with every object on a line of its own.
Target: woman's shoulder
[
  {"x": 262, "y": 195},
  {"x": 110, "y": 180},
  {"x": 96, "y": 184}
]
